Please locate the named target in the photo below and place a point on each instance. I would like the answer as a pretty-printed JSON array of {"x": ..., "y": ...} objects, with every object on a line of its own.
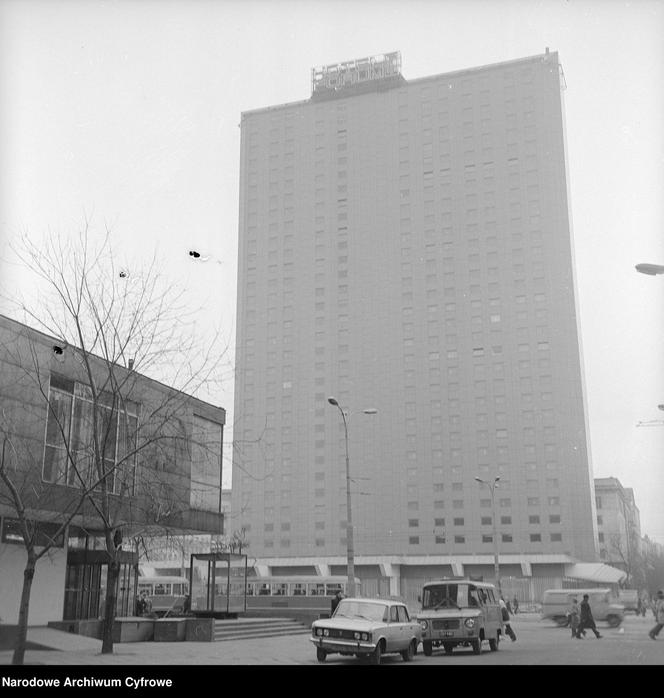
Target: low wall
[
  {"x": 87, "y": 627},
  {"x": 133, "y": 629},
  {"x": 305, "y": 616},
  {"x": 170, "y": 629}
]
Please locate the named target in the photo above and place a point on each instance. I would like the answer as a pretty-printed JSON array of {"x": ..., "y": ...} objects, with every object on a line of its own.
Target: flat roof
[{"x": 415, "y": 81}]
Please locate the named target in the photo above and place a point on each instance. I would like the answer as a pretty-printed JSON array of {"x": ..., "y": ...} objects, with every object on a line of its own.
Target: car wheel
[
  {"x": 376, "y": 655},
  {"x": 409, "y": 653},
  {"x": 427, "y": 648},
  {"x": 321, "y": 654},
  {"x": 493, "y": 643},
  {"x": 476, "y": 644},
  {"x": 448, "y": 647},
  {"x": 613, "y": 621}
]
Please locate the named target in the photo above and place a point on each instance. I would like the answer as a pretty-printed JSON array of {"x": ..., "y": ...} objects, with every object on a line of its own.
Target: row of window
[
  {"x": 438, "y": 539},
  {"x": 70, "y": 433},
  {"x": 484, "y": 520}
]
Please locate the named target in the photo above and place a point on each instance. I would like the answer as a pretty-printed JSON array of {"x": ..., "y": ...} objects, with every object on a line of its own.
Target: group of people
[
  {"x": 580, "y": 618},
  {"x": 143, "y": 604}
]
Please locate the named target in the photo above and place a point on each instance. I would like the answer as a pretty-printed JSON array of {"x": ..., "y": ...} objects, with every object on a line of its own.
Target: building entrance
[{"x": 85, "y": 584}]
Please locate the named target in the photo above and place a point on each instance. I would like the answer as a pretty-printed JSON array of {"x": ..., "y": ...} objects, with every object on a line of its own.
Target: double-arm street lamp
[
  {"x": 350, "y": 545},
  {"x": 496, "y": 564},
  {"x": 651, "y": 269}
]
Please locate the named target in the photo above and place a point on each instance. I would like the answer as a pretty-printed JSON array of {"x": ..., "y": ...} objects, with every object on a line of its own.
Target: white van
[{"x": 603, "y": 604}]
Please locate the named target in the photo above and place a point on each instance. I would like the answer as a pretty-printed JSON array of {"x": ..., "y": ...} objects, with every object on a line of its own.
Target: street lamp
[
  {"x": 651, "y": 269},
  {"x": 350, "y": 546},
  {"x": 496, "y": 565}
]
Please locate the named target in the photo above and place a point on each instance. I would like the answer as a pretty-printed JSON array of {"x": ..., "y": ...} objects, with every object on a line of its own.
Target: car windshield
[
  {"x": 451, "y": 596},
  {"x": 360, "y": 609}
]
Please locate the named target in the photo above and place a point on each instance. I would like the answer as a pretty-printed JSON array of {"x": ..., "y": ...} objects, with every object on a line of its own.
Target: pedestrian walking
[
  {"x": 335, "y": 601},
  {"x": 506, "y": 619},
  {"x": 573, "y": 617},
  {"x": 659, "y": 615},
  {"x": 515, "y": 605},
  {"x": 586, "y": 619}
]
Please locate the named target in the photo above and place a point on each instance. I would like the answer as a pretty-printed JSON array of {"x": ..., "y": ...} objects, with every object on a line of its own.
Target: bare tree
[{"x": 126, "y": 435}]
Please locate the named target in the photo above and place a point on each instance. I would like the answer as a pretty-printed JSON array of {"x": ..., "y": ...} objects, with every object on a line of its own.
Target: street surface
[{"x": 538, "y": 643}]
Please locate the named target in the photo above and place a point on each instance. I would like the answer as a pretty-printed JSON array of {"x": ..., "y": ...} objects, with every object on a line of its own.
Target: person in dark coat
[
  {"x": 659, "y": 616},
  {"x": 335, "y": 601},
  {"x": 586, "y": 619},
  {"x": 506, "y": 619}
]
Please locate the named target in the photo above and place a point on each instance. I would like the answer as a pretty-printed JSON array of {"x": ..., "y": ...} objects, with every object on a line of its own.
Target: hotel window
[
  {"x": 486, "y": 521},
  {"x": 535, "y": 538},
  {"x": 556, "y": 537},
  {"x": 506, "y": 520},
  {"x": 458, "y": 522},
  {"x": 487, "y": 538},
  {"x": 459, "y": 539},
  {"x": 414, "y": 540},
  {"x": 506, "y": 538}
]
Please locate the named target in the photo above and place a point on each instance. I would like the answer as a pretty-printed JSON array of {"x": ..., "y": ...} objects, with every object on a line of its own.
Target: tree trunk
[
  {"x": 109, "y": 607},
  {"x": 22, "y": 636}
]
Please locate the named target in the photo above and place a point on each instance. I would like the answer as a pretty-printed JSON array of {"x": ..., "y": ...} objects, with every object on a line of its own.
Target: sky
[{"x": 126, "y": 113}]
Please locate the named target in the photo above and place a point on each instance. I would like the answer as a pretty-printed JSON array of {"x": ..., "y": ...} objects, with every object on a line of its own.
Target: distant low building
[{"x": 618, "y": 523}]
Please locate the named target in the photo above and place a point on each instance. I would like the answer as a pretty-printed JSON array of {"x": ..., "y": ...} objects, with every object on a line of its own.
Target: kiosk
[{"x": 218, "y": 584}]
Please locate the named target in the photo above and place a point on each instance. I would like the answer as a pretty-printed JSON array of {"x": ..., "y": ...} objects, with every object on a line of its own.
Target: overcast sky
[{"x": 128, "y": 112}]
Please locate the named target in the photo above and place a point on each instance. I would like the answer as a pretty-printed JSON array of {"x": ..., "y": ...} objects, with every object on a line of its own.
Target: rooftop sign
[{"x": 339, "y": 76}]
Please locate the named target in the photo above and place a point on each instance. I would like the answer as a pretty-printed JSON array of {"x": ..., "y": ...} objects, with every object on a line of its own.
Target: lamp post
[
  {"x": 350, "y": 544},
  {"x": 496, "y": 564}
]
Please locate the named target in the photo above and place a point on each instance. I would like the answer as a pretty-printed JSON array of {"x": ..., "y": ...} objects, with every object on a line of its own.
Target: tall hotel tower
[{"x": 405, "y": 246}]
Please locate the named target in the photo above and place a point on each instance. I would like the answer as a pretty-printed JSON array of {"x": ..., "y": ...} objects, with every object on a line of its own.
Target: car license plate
[{"x": 448, "y": 633}]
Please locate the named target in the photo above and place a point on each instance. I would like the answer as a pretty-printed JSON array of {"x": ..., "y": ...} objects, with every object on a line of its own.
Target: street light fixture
[
  {"x": 651, "y": 269},
  {"x": 350, "y": 544},
  {"x": 496, "y": 564}
]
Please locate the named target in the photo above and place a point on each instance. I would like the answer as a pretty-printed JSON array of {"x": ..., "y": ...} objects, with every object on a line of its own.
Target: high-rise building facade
[{"x": 405, "y": 245}]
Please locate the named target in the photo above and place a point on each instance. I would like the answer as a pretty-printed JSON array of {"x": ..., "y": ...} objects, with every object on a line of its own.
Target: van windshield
[{"x": 453, "y": 596}]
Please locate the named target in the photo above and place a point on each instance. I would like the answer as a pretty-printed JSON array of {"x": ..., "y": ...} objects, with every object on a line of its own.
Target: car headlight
[
  {"x": 469, "y": 622},
  {"x": 319, "y": 631},
  {"x": 424, "y": 624},
  {"x": 366, "y": 636},
  {"x": 357, "y": 636},
  {"x": 326, "y": 632}
]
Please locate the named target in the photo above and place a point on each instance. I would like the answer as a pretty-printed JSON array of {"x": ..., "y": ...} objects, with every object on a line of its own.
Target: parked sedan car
[{"x": 367, "y": 628}]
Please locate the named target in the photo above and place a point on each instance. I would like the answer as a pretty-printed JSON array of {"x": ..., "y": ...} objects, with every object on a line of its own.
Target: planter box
[
  {"x": 133, "y": 629},
  {"x": 199, "y": 629},
  {"x": 89, "y": 627},
  {"x": 170, "y": 629}
]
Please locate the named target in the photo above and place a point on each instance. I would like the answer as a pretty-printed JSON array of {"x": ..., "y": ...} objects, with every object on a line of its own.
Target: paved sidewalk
[{"x": 70, "y": 649}]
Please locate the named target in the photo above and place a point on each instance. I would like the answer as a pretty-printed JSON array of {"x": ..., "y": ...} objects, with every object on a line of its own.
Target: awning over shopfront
[{"x": 595, "y": 572}]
